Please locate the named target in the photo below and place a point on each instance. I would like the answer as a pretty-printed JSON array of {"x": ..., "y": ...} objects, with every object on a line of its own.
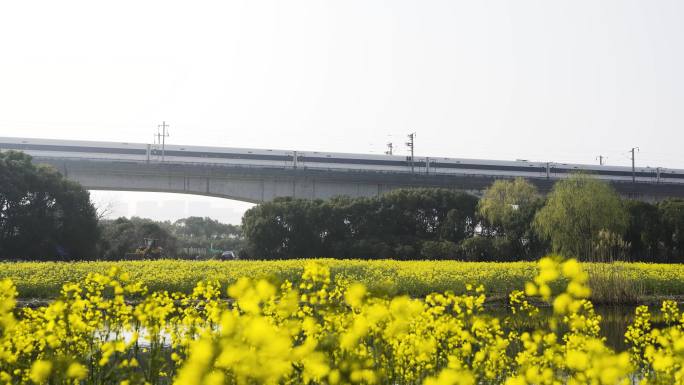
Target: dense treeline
[
  {"x": 402, "y": 224},
  {"x": 187, "y": 237},
  {"x": 581, "y": 217},
  {"x": 656, "y": 232},
  {"x": 43, "y": 215}
]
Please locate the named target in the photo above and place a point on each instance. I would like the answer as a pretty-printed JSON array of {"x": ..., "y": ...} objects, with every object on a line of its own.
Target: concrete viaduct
[{"x": 260, "y": 184}]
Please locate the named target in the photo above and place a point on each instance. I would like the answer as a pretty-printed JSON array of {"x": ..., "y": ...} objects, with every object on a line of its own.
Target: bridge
[
  {"x": 249, "y": 184},
  {"x": 262, "y": 175}
]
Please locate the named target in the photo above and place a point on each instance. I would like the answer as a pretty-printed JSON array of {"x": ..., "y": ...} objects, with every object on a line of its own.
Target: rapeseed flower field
[
  {"x": 381, "y": 277},
  {"x": 321, "y": 330}
]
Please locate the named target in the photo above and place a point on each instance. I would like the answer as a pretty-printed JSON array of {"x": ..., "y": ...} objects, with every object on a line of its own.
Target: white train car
[
  {"x": 139, "y": 152},
  {"x": 670, "y": 175},
  {"x": 223, "y": 155},
  {"x": 359, "y": 162},
  {"x": 614, "y": 173},
  {"x": 487, "y": 167},
  {"x": 76, "y": 149}
]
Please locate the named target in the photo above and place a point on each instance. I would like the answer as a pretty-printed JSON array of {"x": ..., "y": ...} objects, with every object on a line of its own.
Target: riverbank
[{"x": 613, "y": 283}]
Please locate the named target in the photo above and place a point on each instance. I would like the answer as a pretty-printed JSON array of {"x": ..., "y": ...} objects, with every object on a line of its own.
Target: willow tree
[
  {"x": 578, "y": 213},
  {"x": 508, "y": 208},
  {"x": 505, "y": 202}
]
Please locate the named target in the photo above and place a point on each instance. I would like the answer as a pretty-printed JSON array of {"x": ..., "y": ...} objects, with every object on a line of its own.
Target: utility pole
[
  {"x": 633, "y": 169},
  {"x": 390, "y": 148},
  {"x": 600, "y": 159},
  {"x": 161, "y": 136},
  {"x": 410, "y": 145}
]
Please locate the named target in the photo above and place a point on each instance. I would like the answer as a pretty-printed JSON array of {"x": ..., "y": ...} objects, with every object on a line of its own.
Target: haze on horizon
[{"x": 560, "y": 81}]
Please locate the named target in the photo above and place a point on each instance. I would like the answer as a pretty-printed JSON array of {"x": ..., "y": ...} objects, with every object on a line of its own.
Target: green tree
[
  {"x": 508, "y": 208},
  {"x": 507, "y": 200},
  {"x": 285, "y": 228},
  {"x": 392, "y": 225},
  {"x": 406, "y": 217},
  {"x": 207, "y": 234},
  {"x": 123, "y": 236},
  {"x": 439, "y": 250},
  {"x": 576, "y": 211},
  {"x": 672, "y": 216},
  {"x": 644, "y": 231},
  {"x": 476, "y": 249},
  {"x": 42, "y": 214}
]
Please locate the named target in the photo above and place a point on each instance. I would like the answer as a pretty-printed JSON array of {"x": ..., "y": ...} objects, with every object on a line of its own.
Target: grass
[{"x": 611, "y": 283}]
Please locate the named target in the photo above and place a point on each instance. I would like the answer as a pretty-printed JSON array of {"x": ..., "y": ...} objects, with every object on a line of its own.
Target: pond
[{"x": 614, "y": 320}]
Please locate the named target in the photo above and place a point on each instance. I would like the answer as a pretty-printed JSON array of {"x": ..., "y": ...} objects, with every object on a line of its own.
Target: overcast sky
[{"x": 542, "y": 80}]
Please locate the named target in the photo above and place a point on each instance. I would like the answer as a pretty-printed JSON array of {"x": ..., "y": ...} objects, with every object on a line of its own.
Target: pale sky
[{"x": 544, "y": 80}]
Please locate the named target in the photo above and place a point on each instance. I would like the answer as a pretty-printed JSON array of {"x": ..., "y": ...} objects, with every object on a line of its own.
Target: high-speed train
[{"x": 149, "y": 153}]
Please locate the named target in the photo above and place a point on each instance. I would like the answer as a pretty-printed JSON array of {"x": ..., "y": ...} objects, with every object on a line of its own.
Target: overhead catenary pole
[
  {"x": 390, "y": 148},
  {"x": 601, "y": 159},
  {"x": 162, "y": 137},
  {"x": 633, "y": 168},
  {"x": 411, "y": 145}
]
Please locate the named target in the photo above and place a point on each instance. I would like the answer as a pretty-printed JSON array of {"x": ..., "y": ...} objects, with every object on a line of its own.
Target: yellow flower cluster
[
  {"x": 381, "y": 277},
  {"x": 658, "y": 353},
  {"x": 327, "y": 331}
]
